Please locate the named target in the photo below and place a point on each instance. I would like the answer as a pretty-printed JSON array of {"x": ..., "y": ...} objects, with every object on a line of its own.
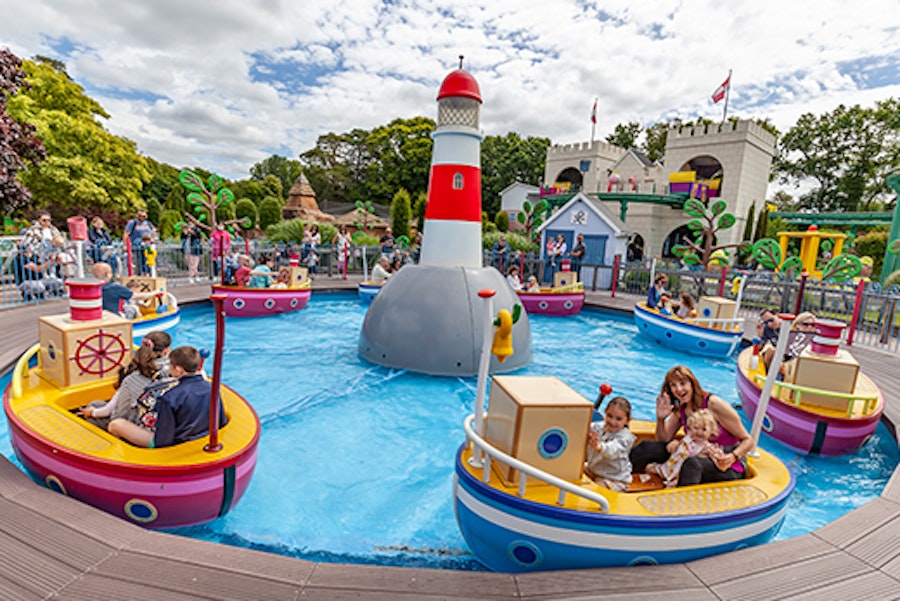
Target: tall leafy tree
[
  {"x": 18, "y": 144},
  {"x": 401, "y": 158},
  {"x": 506, "y": 160},
  {"x": 336, "y": 167},
  {"x": 846, "y": 154},
  {"x": 625, "y": 135},
  {"x": 286, "y": 170},
  {"x": 400, "y": 213},
  {"x": 86, "y": 165}
]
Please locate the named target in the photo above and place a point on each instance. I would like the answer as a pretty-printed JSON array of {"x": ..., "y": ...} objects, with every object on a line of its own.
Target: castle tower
[
  {"x": 428, "y": 317},
  {"x": 452, "y": 235}
]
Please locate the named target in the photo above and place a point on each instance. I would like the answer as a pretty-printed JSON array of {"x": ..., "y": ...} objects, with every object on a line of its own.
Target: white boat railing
[
  {"x": 525, "y": 470},
  {"x": 711, "y": 322},
  {"x": 22, "y": 371},
  {"x": 870, "y": 400}
]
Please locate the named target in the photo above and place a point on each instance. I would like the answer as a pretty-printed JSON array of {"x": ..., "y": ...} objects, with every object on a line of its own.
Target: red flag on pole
[
  {"x": 594, "y": 112},
  {"x": 719, "y": 94}
]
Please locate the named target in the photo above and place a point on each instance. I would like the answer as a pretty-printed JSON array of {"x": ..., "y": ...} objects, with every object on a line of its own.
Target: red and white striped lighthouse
[{"x": 452, "y": 236}]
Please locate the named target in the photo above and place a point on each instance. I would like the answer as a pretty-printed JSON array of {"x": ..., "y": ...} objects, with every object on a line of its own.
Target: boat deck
[{"x": 55, "y": 547}]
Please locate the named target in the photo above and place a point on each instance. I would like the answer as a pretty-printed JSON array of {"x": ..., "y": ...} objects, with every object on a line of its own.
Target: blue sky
[{"x": 222, "y": 85}]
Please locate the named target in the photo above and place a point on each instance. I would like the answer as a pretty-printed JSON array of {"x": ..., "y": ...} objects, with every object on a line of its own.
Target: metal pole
[
  {"x": 487, "y": 325},
  {"x": 722, "y": 280},
  {"x": 857, "y": 304},
  {"x": 771, "y": 375},
  {"x": 615, "y": 275},
  {"x": 799, "y": 303},
  {"x": 214, "y": 445}
]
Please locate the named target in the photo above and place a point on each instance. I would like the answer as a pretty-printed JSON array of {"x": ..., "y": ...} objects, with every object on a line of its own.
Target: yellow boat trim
[
  {"x": 720, "y": 325},
  {"x": 46, "y": 410},
  {"x": 577, "y": 287},
  {"x": 768, "y": 478},
  {"x": 864, "y": 401}
]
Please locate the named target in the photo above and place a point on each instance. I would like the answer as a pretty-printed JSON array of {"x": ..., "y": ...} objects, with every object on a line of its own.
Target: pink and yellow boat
[{"x": 560, "y": 300}]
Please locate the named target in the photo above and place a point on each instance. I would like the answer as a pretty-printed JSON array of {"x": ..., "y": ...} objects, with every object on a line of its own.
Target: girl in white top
[
  {"x": 132, "y": 382},
  {"x": 512, "y": 278},
  {"x": 609, "y": 445}
]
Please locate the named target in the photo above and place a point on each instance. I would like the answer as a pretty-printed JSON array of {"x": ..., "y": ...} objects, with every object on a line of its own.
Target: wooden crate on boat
[
  {"x": 147, "y": 284},
  {"x": 836, "y": 373},
  {"x": 541, "y": 421},
  {"x": 293, "y": 276},
  {"x": 715, "y": 307},
  {"x": 77, "y": 352},
  {"x": 564, "y": 278}
]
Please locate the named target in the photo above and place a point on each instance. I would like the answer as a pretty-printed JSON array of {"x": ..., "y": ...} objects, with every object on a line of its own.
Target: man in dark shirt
[
  {"x": 182, "y": 412},
  {"x": 577, "y": 253}
]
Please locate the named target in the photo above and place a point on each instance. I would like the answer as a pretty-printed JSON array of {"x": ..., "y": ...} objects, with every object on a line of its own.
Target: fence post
[
  {"x": 799, "y": 304},
  {"x": 860, "y": 286},
  {"x": 615, "y": 275}
]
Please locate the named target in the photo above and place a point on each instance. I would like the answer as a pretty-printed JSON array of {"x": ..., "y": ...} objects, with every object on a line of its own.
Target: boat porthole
[
  {"x": 668, "y": 334},
  {"x": 238, "y": 303},
  {"x": 552, "y": 443},
  {"x": 294, "y": 302},
  {"x": 767, "y": 424},
  {"x": 643, "y": 560},
  {"x": 525, "y": 554},
  {"x": 543, "y": 305},
  {"x": 568, "y": 304},
  {"x": 270, "y": 302},
  {"x": 53, "y": 483},
  {"x": 706, "y": 312},
  {"x": 51, "y": 352},
  {"x": 701, "y": 343},
  {"x": 141, "y": 511}
]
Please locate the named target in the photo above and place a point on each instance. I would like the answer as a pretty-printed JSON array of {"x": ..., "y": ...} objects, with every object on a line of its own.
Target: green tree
[
  {"x": 655, "y": 138},
  {"x": 336, "y": 167},
  {"x": 212, "y": 201},
  {"x": 269, "y": 212},
  {"x": 401, "y": 158},
  {"x": 168, "y": 224},
  {"x": 502, "y": 220},
  {"x": 245, "y": 210},
  {"x": 532, "y": 216},
  {"x": 707, "y": 222},
  {"x": 846, "y": 154},
  {"x": 272, "y": 186},
  {"x": 400, "y": 213},
  {"x": 86, "y": 165},
  {"x": 163, "y": 181},
  {"x": 154, "y": 210},
  {"x": 509, "y": 159},
  {"x": 286, "y": 170},
  {"x": 246, "y": 188},
  {"x": 419, "y": 210},
  {"x": 625, "y": 135},
  {"x": 19, "y": 146}
]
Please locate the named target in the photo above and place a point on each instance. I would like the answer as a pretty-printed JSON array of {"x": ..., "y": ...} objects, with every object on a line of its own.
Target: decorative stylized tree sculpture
[
  {"x": 767, "y": 253},
  {"x": 205, "y": 199},
  {"x": 532, "y": 216},
  {"x": 364, "y": 208},
  {"x": 707, "y": 222}
]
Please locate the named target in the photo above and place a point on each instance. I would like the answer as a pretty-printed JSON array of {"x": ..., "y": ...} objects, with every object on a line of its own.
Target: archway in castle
[
  {"x": 572, "y": 176},
  {"x": 677, "y": 236},
  {"x": 707, "y": 167}
]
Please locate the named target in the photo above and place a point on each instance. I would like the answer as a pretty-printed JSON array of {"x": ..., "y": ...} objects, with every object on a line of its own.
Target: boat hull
[
  {"x": 508, "y": 533},
  {"x": 255, "y": 302},
  {"x": 805, "y": 432},
  {"x": 368, "y": 291},
  {"x": 170, "y": 487},
  {"x": 559, "y": 303},
  {"x": 682, "y": 336},
  {"x": 165, "y": 322}
]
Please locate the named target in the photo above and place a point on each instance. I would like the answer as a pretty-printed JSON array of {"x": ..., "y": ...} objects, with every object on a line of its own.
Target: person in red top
[{"x": 242, "y": 273}]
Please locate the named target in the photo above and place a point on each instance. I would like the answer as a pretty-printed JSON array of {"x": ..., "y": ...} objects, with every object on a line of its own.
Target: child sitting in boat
[
  {"x": 512, "y": 278},
  {"x": 181, "y": 413},
  {"x": 261, "y": 275},
  {"x": 701, "y": 427},
  {"x": 144, "y": 369},
  {"x": 609, "y": 444},
  {"x": 663, "y": 305},
  {"x": 686, "y": 307},
  {"x": 242, "y": 273},
  {"x": 533, "y": 285}
]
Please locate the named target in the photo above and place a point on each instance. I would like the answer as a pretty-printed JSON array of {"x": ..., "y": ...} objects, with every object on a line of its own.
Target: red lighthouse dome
[{"x": 460, "y": 83}]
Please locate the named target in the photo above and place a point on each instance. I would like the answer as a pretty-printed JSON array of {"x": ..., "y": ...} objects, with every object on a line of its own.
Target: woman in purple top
[{"x": 681, "y": 396}]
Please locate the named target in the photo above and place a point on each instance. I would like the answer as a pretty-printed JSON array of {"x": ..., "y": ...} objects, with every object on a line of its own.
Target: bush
[
  {"x": 269, "y": 212},
  {"x": 873, "y": 244},
  {"x": 516, "y": 241},
  {"x": 400, "y": 213},
  {"x": 361, "y": 238},
  {"x": 892, "y": 280},
  {"x": 167, "y": 223},
  {"x": 501, "y": 219},
  {"x": 245, "y": 208},
  {"x": 154, "y": 210},
  {"x": 285, "y": 231}
]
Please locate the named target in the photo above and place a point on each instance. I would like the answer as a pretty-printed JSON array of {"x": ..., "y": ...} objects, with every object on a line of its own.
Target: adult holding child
[{"x": 681, "y": 397}]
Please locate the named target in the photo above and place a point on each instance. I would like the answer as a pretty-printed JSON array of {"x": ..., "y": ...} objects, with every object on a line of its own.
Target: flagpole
[{"x": 727, "y": 92}]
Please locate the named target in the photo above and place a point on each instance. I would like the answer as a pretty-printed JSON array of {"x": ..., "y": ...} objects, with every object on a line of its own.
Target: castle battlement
[
  {"x": 743, "y": 129},
  {"x": 579, "y": 148}
]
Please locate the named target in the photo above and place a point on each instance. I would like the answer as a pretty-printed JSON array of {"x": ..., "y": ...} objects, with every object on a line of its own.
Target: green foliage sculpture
[
  {"x": 532, "y": 216},
  {"x": 364, "y": 210},
  {"x": 205, "y": 199},
  {"x": 767, "y": 253},
  {"x": 707, "y": 221}
]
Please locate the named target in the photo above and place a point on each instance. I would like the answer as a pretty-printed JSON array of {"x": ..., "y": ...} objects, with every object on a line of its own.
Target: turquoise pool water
[{"x": 356, "y": 460}]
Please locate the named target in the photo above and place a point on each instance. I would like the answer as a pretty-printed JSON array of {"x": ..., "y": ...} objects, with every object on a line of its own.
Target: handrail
[
  {"x": 528, "y": 470},
  {"x": 21, "y": 372},
  {"x": 171, "y": 301},
  {"x": 800, "y": 390}
]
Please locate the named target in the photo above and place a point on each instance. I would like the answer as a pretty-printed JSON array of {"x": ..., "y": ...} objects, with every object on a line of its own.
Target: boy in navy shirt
[{"x": 182, "y": 413}]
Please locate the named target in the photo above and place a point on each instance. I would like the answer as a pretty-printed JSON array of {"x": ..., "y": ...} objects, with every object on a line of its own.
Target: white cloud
[{"x": 186, "y": 68}]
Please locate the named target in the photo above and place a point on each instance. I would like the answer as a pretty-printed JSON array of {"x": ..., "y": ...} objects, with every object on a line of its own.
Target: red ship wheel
[{"x": 98, "y": 351}]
